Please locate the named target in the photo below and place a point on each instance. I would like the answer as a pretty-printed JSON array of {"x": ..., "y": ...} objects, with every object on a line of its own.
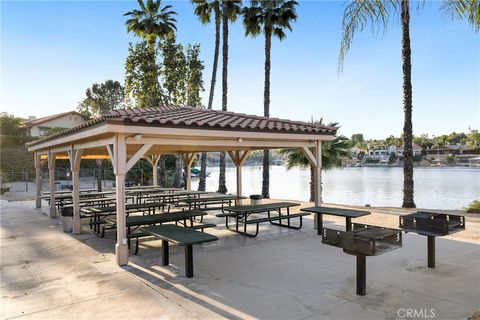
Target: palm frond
[
  {"x": 360, "y": 14},
  {"x": 464, "y": 10},
  {"x": 273, "y": 16}
]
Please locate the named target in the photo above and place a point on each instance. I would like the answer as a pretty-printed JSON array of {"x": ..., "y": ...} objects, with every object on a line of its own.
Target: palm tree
[
  {"x": 151, "y": 21},
  {"x": 332, "y": 153},
  {"x": 204, "y": 10},
  {"x": 274, "y": 17},
  {"x": 230, "y": 11},
  {"x": 361, "y": 13}
]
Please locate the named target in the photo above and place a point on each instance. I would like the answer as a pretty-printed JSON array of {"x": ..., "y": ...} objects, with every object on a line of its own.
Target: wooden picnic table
[
  {"x": 241, "y": 214},
  {"x": 319, "y": 211},
  {"x": 180, "y": 236},
  {"x": 202, "y": 203}
]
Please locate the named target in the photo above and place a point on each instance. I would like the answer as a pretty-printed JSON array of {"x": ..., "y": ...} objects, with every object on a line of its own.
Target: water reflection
[{"x": 443, "y": 188}]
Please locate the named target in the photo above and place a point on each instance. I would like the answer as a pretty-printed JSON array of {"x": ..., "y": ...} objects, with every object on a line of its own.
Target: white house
[
  {"x": 42, "y": 126},
  {"x": 417, "y": 150}
]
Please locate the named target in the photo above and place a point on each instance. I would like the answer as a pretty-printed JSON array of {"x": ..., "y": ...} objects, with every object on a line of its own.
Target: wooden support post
[
  {"x": 315, "y": 159},
  {"x": 318, "y": 177},
  {"x": 75, "y": 159},
  {"x": 238, "y": 158},
  {"x": 153, "y": 160},
  {"x": 38, "y": 181},
  {"x": 120, "y": 163},
  {"x": 51, "y": 172},
  {"x": 188, "y": 160}
]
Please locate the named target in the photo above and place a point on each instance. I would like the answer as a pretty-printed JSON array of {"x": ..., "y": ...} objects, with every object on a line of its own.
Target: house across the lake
[{"x": 39, "y": 127}]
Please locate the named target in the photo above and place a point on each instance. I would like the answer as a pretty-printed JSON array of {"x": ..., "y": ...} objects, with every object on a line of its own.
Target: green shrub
[{"x": 474, "y": 207}]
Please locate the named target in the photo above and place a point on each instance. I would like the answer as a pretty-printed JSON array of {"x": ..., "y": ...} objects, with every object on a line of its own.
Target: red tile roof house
[{"x": 42, "y": 126}]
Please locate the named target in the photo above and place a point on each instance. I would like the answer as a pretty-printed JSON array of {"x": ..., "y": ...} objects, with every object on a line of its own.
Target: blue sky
[{"x": 52, "y": 51}]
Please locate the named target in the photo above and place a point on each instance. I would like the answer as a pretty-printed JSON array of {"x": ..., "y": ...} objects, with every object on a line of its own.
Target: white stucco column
[
  {"x": 38, "y": 181},
  {"x": 75, "y": 159},
  {"x": 120, "y": 159},
  {"x": 51, "y": 171}
]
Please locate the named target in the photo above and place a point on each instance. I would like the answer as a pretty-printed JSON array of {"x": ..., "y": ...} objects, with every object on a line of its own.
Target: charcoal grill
[
  {"x": 431, "y": 225},
  {"x": 361, "y": 241}
]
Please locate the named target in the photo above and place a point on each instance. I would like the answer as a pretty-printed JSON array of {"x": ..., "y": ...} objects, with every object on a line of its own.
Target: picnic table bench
[
  {"x": 241, "y": 214},
  {"x": 203, "y": 203},
  {"x": 180, "y": 236}
]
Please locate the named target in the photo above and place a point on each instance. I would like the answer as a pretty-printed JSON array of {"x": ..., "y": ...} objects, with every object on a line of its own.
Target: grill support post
[
  {"x": 431, "y": 251},
  {"x": 165, "y": 260},
  {"x": 189, "y": 261},
  {"x": 361, "y": 275}
]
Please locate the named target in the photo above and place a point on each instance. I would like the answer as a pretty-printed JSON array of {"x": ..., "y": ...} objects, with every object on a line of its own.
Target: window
[{"x": 44, "y": 131}]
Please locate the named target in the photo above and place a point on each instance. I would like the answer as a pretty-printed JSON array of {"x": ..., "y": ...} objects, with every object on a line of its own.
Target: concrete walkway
[{"x": 281, "y": 274}]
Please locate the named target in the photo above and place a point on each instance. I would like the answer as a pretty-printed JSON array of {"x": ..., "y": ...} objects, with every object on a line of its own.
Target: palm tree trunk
[
  {"x": 203, "y": 159},
  {"x": 266, "y": 112},
  {"x": 222, "y": 187},
  {"x": 202, "y": 183},
  {"x": 407, "y": 108},
  {"x": 215, "y": 59}
]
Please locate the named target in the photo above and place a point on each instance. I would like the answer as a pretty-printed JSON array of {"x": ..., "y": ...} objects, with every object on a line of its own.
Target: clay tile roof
[{"x": 189, "y": 117}]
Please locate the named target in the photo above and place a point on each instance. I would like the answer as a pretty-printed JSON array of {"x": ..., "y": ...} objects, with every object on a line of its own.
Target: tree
[
  {"x": 357, "y": 138},
  {"x": 361, "y": 13},
  {"x": 230, "y": 11},
  {"x": 332, "y": 153},
  {"x": 194, "y": 76},
  {"x": 10, "y": 125},
  {"x": 142, "y": 72},
  {"x": 182, "y": 80},
  {"x": 151, "y": 21},
  {"x": 102, "y": 97},
  {"x": 204, "y": 10},
  {"x": 271, "y": 18}
]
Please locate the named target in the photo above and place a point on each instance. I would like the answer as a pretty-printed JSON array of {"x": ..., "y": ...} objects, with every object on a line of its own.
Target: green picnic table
[
  {"x": 174, "y": 197},
  {"x": 133, "y": 223},
  {"x": 98, "y": 215},
  {"x": 180, "y": 236},
  {"x": 319, "y": 211},
  {"x": 202, "y": 203},
  {"x": 242, "y": 214}
]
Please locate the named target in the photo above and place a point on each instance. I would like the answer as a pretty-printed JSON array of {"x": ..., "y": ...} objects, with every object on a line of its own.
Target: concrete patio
[{"x": 281, "y": 274}]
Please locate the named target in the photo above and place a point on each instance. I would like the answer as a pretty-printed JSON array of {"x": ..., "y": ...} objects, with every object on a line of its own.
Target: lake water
[{"x": 435, "y": 188}]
